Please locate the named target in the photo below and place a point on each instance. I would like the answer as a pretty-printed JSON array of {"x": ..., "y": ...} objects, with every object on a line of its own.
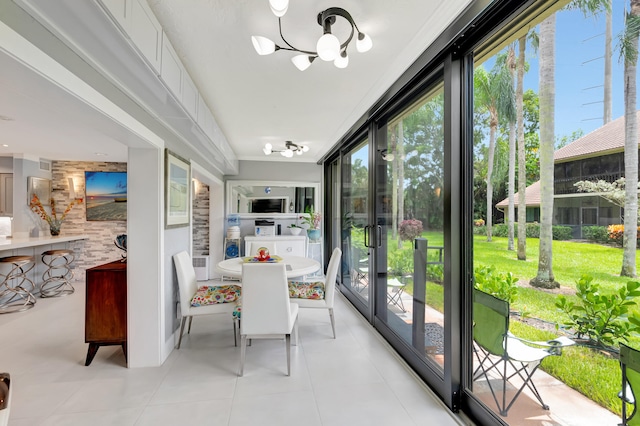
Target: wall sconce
[{"x": 72, "y": 191}]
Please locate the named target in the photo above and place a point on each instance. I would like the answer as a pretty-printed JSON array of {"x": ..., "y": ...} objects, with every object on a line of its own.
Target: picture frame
[
  {"x": 105, "y": 195},
  {"x": 177, "y": 191},
  {"x": 40, "y": 187}
]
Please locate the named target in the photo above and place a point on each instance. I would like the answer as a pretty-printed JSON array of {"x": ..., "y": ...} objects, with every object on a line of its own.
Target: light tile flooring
[{"x": 352, "y": 380}]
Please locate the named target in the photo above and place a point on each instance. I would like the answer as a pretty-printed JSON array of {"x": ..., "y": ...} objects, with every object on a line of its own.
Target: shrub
[
  {"x": 533, "y": 230},
  {"x": 603, "y": 318},
  {"x": 597, "y": 234},
  {"x": 502, "y": 286},
  {"x": 500, "y": 230},
  {"x": 435, "y": 273},
  {"x": 410, "y": 229},
  {"x": 616, "y": 234},
  {"x": 478, "y": 222},
  {"x": 480, "y": 230},
  {"x": 400, "y": 262},
  {"x": 562, "y": 233}
]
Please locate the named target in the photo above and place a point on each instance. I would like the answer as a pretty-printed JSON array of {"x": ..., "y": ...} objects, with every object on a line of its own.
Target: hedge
[{"x": 532, "y": 230}]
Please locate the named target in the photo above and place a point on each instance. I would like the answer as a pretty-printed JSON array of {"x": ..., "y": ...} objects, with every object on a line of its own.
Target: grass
[
  {"x": 595, "y": 374},
  {"x": 590, "y": 372}
]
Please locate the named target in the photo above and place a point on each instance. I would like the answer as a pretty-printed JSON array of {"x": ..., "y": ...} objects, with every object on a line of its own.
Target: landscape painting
[{"x": 106, "y": 195}]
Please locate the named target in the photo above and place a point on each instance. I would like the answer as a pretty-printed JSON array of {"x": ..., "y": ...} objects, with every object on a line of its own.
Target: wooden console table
[{"x": 106, "y": 308}]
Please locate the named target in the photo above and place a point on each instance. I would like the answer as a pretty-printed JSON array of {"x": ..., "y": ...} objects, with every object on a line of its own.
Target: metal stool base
[
  {"x": 17, "y": 297},
  {"x": 55, "y": 280}
]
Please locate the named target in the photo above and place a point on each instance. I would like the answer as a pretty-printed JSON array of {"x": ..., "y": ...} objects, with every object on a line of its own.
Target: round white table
[{"x": 297, "y": 266}]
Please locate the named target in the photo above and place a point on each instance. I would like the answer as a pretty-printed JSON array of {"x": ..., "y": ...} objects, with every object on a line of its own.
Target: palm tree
[
  {"x": 494, "y": 93},
  {"x": 511, "y": 65},
  {"x": 630, "y": 55},
  {"x": 545, "y": 277},
  {"x": 522, "y": 174}
]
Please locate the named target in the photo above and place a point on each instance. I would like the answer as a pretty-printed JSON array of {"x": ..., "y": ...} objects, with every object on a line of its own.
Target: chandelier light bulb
[
  {"x": 363, "y": 43},
  {"x": 263, "y": 45},
  {"x": 305, "y": 148},
  {"x": 342, "y": 60},
  {"x": 267, "y": 149},
  {"x": 279, "y": 7},
  {"x": 328, "y": 47},
  {"x": 302, "y": 62}
]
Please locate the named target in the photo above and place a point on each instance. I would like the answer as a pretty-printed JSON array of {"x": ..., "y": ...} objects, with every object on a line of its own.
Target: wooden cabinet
[{"x": 106, "y": 308}]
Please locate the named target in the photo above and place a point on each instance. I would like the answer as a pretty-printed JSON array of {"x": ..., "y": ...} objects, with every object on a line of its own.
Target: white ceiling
[{"x": 255, "y": 99}]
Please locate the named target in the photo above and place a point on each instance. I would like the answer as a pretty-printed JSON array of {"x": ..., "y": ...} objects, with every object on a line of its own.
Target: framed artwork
[
  {"x": 177, "y": 194},
  {"x": 40, "y": 187},
  {"x": 105, "y": 195}
]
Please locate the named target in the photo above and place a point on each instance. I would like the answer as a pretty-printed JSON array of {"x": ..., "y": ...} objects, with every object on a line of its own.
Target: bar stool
[
  {"x": 16, "y": 288},
  {"x": 55, "y": 280}
]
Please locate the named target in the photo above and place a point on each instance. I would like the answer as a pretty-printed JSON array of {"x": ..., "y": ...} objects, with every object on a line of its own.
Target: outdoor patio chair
[
  {"x": 630, "y": 365},
  {"x": 501, "y": 355},
  {"x": 395, "y": 290},
  {"x": 360, "y": 265}
]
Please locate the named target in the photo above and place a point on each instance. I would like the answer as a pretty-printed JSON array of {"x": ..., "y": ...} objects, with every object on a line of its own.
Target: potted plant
[
  {"x": 313, "y": 219},
  {"x": 294, "y": 229}
]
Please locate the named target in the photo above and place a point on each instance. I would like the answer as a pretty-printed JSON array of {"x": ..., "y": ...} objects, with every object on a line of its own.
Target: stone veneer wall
[
  {"x": 200, "y": 217},
  {"x": 99, "y": 248}
]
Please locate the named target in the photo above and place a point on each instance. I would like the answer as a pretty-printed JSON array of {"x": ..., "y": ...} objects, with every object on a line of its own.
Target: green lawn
[{"x": 592, "y": 373}]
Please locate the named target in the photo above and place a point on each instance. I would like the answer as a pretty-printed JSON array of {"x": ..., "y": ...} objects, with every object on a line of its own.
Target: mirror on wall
[{"x": 270, "y": 198}]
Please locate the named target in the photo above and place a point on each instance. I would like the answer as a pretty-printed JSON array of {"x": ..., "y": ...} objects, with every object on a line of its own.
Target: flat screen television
[
  {"x": 269, "y": 205},
  {"x": 106, "y": 195}
]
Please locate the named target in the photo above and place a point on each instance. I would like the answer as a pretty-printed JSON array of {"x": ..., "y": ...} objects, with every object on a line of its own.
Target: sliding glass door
[{"x": 355, "y": 226}]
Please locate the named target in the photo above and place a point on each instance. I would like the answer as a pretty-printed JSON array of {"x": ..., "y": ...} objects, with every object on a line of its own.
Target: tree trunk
[
  {"x": 630, "y": 150},
  {"x": 522, "y": 174},
  {"x": 607, "y": 67},
  {"x": 511, "y": 212},
  {"x": 394, "y": 182},
  {"x": 400, "y": 189},
  {"x": 545, "y": 276},
  {"x": 492, "y": 149}
]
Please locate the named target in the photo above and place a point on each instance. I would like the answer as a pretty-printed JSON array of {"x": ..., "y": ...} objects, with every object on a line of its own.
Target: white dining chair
[
  {"x": 318, "y": 294},
  {"x": 254, "y": 246},
  {"x": 188, "y": 286},
  {"x": 267, "y": 312}
]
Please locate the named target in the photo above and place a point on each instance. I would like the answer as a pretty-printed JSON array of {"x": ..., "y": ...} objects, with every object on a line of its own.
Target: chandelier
[
  {"x": 288, "y": 151},
  {"x": 328, "y": 47}
]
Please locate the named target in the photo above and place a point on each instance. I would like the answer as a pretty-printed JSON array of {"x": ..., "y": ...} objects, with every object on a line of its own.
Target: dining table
[{"x": 297, "y": 266}]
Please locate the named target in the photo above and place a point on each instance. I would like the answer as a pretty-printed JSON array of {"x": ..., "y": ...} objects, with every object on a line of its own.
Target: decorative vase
[
  {"x": 54, "y": 227},
  {"x": 295, "y": 231},
  {"x": 313, "y": 234}
]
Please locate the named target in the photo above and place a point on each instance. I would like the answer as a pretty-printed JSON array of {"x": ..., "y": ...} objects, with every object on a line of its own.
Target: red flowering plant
[{"x": 52, "y": 219}]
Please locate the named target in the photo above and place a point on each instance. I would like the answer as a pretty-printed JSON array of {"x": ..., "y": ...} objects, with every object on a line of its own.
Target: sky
[
  {"x": 101, "y": 183},
  {"x": 580, "y": 70}
]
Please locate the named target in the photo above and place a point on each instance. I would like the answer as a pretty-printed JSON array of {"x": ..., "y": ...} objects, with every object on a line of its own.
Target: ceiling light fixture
[
  {"x": 288, "y": 151},
  {"x": 328, "y": 47}
]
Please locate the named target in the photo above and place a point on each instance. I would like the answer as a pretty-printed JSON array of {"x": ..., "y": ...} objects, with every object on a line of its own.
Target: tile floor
[{"x": 352, "y": 380}]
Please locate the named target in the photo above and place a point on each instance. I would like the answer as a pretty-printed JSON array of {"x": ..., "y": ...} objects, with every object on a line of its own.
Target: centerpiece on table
[
  {"x": 313, "y": 219},
  {"x": 52, "y": 219}
]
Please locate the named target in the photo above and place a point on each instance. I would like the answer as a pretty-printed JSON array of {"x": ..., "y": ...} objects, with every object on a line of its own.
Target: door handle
[
  {"x": 366, "y": 234},
  {"x": 379, "y": 235}
]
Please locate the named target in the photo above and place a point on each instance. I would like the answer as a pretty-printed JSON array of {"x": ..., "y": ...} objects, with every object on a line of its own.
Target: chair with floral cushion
[
  {"x": 203, "y": 300},
  {"x": 318, "y": 294}
]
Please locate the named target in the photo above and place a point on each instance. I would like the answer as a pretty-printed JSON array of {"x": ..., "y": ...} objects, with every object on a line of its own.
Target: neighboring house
[{"x": 596, "y": 156}]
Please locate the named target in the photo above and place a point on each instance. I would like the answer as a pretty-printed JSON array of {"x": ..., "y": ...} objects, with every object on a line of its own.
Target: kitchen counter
[{"x": 17, "y": 243}]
